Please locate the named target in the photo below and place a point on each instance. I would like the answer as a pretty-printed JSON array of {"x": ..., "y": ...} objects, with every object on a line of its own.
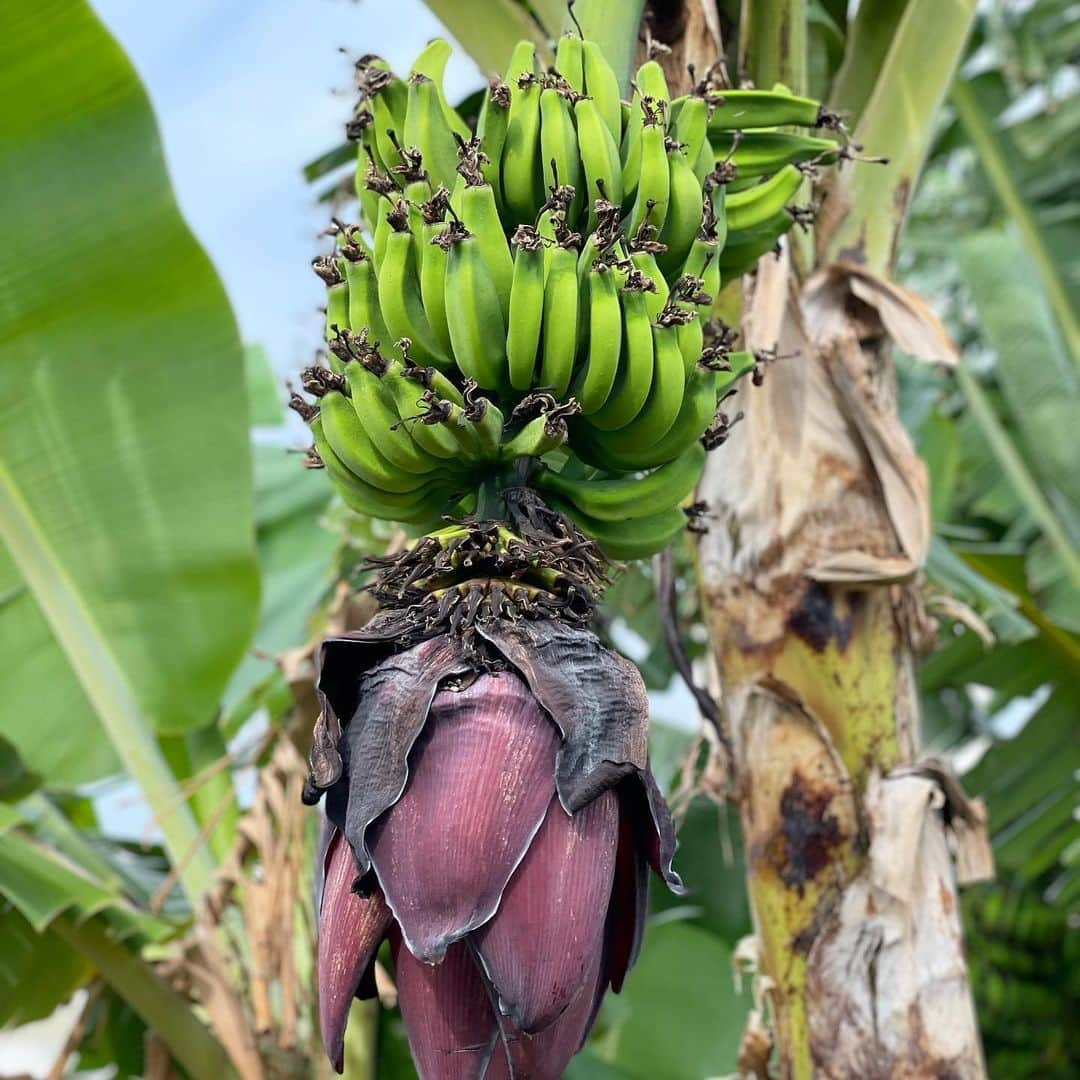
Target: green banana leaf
[{"x": 128, "y": 587}]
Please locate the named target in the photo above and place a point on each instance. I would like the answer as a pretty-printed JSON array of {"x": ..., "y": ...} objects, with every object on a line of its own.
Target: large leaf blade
[{"x": 125, "y": 492}]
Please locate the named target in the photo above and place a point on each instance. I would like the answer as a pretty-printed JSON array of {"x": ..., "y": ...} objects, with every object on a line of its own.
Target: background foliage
[{"x": 136, "y": 506}]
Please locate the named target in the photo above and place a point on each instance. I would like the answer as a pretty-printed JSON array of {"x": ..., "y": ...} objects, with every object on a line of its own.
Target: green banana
[
  {"x": 647, "y": 535},
  {"x": 761, "y": 153},
  {"x": 526, "y": 308},
  {"x": 748, "y": 209},
  {"x": 491, "y": 131},
  {"x": 521, "y": 172},
  {"x": 689, "y": 128},
  {"x": 331, "y": 272},
  {"x": 476, "y": 207},
  {"x": 634, "y": 380},
  {"x": 400, "y": 298},
  {"x": 487, "y": 421},
  {"x": 684, "y": 211},
  {"x": 364, "y": 310},
  {"x": 599, "y": 157},
  {"x": 602, "y": 85},
  {"x": 433, "y": 270},
  {"x": 594, "y": 384},
  {"x": 627, "y": 497},
  {"x": 539, "y": 436},
  {"x": 695, "y": 416},
  {"x": 627, "y": 449},
  {"x": 654, "y": 178},
  {"x": 644, "y": 261},
  {"x": 474, "y": 310},
  {"x": 561, "y": 299},
  {"x": 569, "y": 61},
  {"x": 374, "y": 404},
  {"x": 432, "y": 438},
  {"x": 352, "y": 444},
  {"x": 559, "y": 147},
  {"x": 424, "y": 505},
  {"x": 739, "y": 110},
  {"x": 427, "y": 130},
  {"x": 432, "y": 63},
  {"x": 742, "y": 253}
]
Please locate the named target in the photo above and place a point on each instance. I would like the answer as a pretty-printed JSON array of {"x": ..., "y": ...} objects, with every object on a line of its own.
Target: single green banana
[
  {"x": 426, "y": 129},
  {"x": 593, "y": 386},
  {"x": 352, "y": 444},
  {"x": 560, "y": 325},
  {"x": 644, "y": 261},
  {"x": 331, "y": 271},
  {"x": 654, "y": 178},
  {"x": 644, "y": 538},
  {"x": 491, "y": 131},
  {"x": 602, "y": 85},
  {"x": 389, "y": 125},
  {"x": 433, "y": 283},
  {"x": 749, "y": 209},
  {"x": 401, "y": 302},
  {"x": 389, "y": 211},
  {"x": 740, "y": 110},
  {"x": 628, "y": 497},
  {"x": 432, "y": 63},
  {"x": 364, "y": 310},
  {"x": 599, "y": 156},
  {"x": 522, "y": 175},
  {"x": 539, "y": 436},
  {"x": 690, "y": 129},
  {"x": 559, "y": 148},
  {"x": 650, "y": 97},
  {"x": 634, "y": 380},
  {"x": 570, "y": 62},
  {"x": 487, "y": 421},
  {"x": 761, "y": 153},
  {"x": 474, "y": 311},
  {"x": 476, "y": 207},
  {"x": 684, "y": 211},
  {"x": 652, "y": 82},
  {"x": 701, "y": 273},
  {"x": 526, "y": 308}
]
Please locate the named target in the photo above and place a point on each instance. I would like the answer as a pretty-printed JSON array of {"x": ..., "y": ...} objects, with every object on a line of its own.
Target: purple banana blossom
[{"x": 491, "y": 813}]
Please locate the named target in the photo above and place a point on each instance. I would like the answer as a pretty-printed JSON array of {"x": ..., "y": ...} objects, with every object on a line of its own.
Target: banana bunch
[{"x": 530, "y": 302}]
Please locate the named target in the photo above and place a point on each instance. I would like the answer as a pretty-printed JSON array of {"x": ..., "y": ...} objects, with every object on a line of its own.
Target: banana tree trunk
[{"x": 809, "y": 580}]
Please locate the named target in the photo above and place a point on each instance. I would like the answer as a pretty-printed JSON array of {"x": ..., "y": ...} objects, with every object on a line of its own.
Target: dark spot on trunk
[
  {"x": 808, "y": 834},
  {"x": 816, "y": 622}
]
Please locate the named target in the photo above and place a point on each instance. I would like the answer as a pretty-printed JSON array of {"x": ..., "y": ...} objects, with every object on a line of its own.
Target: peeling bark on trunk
[{"x": 820, "y": 526}]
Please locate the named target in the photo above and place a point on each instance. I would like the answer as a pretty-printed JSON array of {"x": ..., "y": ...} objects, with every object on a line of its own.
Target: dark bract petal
[
  {"x": 448, "y": 1015},
  {"x": 392, "y": 703},
  {"x": 544, "y": 1056},
  {"x": 543, "y": 942},
  {"x": 481, "y": 777},
  {"x": 629, "y": 905},
  {"x": 350, "y": 931},
  {"x": 595, "y": 696}
]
